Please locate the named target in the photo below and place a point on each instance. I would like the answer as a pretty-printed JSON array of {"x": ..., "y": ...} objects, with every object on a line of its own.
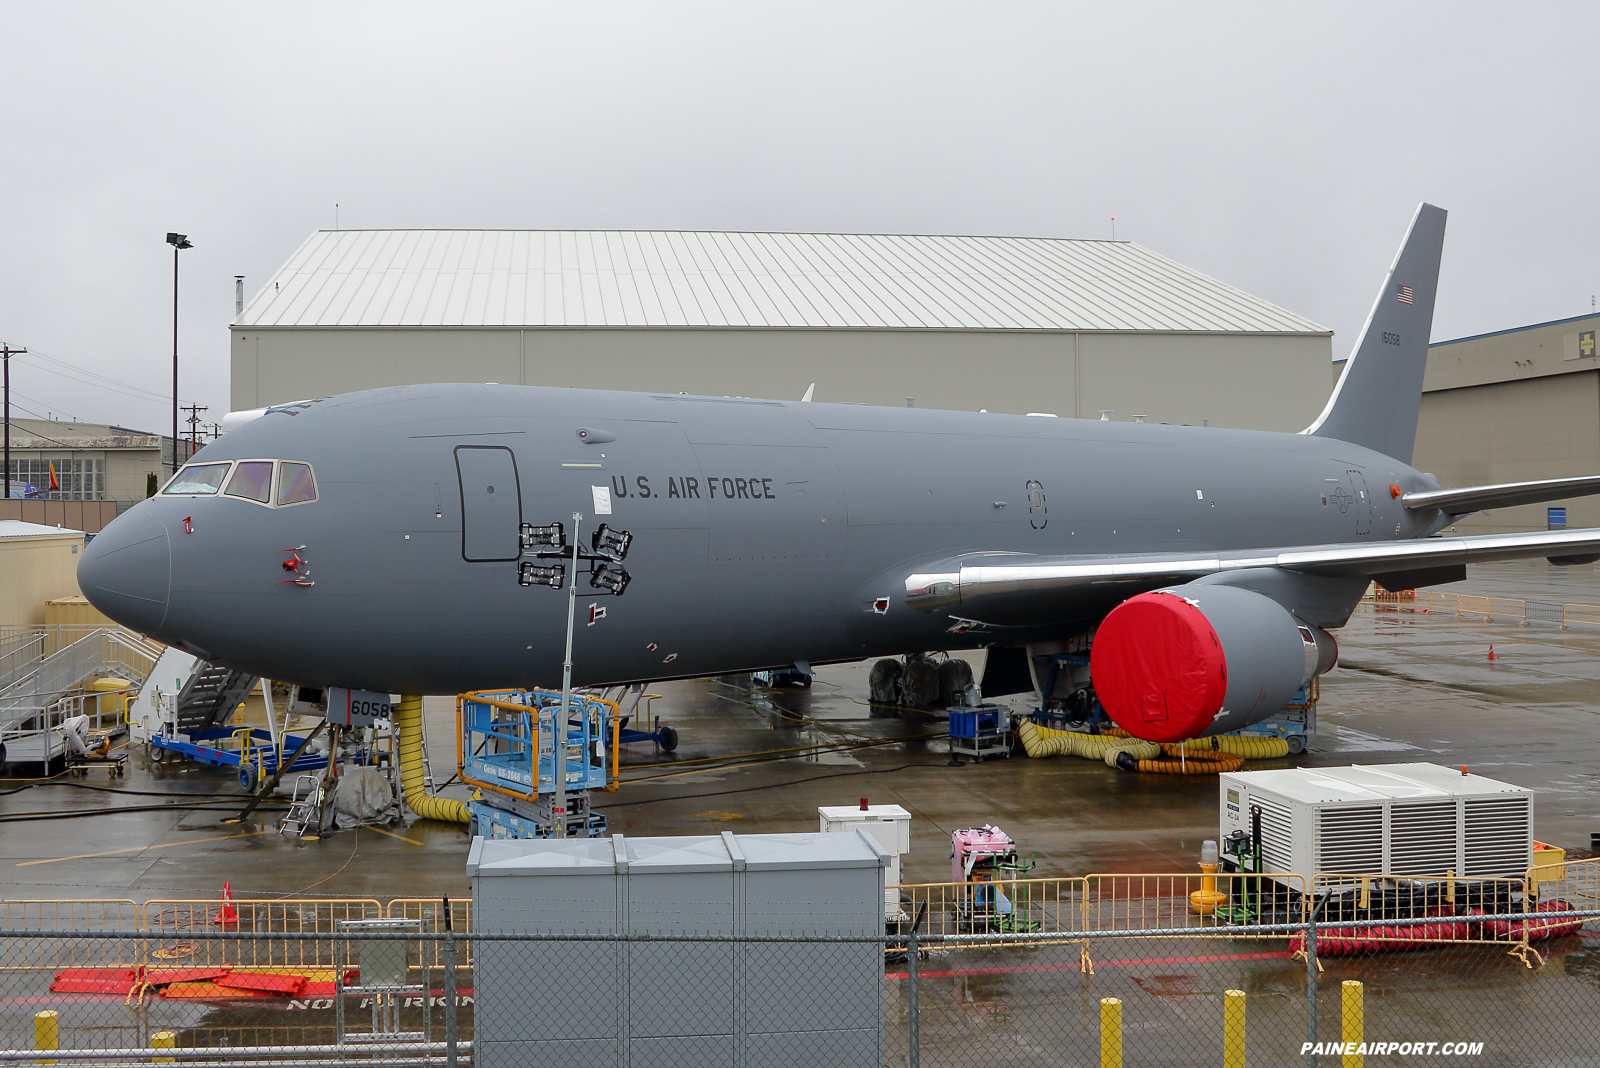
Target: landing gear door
[
  {"x": 491, "y": 503},
  {"x": 1358, "y": 489}
]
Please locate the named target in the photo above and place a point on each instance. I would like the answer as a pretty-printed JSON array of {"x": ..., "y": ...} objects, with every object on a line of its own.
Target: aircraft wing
[
  {"x": 973, "y": 580},
  {"x": 1504, "y": 495}
]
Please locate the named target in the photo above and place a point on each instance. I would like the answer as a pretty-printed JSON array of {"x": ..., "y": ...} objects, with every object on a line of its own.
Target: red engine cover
[{"x": 1158, "y": 668}]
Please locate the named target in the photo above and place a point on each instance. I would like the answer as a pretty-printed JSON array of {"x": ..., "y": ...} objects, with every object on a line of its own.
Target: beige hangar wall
[
  {"x": 1536, "y": 428},
  {"x": 1260, "y": 381}
]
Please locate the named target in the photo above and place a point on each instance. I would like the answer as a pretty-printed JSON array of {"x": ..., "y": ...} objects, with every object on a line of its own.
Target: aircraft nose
[{"x": 126, "y": 571}]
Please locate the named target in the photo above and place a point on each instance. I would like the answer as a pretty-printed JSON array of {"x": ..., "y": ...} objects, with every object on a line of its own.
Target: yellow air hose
[
  {"x": 1040, "y": 741},
  {"x": 409, "y": 724},
  {"x": 1199, "y": 756}
]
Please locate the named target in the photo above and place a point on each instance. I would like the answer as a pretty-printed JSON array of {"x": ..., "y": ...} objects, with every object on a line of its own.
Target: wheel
[
  {"x": 472, "y": 827},
  {"x": 668, "y": 739},
  {"x": 1297, "y": 744},
  {"x": 805, "y": 680},
  {"x": 247, "y": 777}
]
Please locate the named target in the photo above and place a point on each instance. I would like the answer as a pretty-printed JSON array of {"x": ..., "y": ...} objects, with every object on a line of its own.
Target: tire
[
  {"x": 883, "y": 683},
  {"x": 247, "y": 777},
  {"x": 954, "y": 677},
  {"x": 1297, "y": 744},
  {"x": 472, "y": 827},
  {"x": 919, "y": 686},
  {"x": 669, "y": 739}
]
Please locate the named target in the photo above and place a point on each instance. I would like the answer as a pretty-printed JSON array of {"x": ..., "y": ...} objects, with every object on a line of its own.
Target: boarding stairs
[
  {"x": 43, "y": 672},
  {"x": 210, "y": 697}
]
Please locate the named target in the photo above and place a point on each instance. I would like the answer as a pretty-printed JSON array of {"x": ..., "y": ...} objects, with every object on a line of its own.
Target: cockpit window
[
  {"x": 252, "y": 479},
  {"x": 198, "y": 479},
  {"x": 295, "y": 484}
]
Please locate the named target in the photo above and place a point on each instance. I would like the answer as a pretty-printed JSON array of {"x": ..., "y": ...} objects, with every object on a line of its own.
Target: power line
[{"x": 133, "y": 391}]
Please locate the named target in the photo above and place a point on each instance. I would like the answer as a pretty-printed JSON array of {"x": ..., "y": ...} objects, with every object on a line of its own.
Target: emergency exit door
[{"x": 491, "y": 503}]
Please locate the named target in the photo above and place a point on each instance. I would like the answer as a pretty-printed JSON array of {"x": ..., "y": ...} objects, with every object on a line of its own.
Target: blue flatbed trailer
[{"x": 257, "y": 762}]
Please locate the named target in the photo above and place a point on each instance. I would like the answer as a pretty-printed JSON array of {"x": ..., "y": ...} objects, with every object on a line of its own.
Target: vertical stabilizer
[{"x": 1376, "y": 401}]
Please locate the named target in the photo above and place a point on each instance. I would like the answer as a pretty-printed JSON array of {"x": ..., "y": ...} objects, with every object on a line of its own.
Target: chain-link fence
[{"x": 1507, "y": 988}]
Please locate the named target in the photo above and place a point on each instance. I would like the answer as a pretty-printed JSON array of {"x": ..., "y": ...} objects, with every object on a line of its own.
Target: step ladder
[
  {"x": 304, "y": 811},
  {"x": 427, "y": 769},
  {"x": 210, "y": 697}
]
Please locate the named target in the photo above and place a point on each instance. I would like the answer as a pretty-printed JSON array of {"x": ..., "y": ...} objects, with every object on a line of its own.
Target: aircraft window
[
  {"x": 198, "y": 479},
  {"x": 252, "y": 479},
  {"x": 295, "y": 483}
]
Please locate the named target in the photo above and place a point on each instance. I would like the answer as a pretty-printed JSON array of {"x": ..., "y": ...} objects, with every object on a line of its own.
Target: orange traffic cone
[
  {"x": 227, "y": 914},
  {"x": 1491, "y": 652}
]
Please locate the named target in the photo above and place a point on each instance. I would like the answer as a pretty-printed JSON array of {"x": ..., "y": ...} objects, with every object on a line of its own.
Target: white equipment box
[
  {"x": 1417, "y": 820},
  {"x": 889, "y": 825}
]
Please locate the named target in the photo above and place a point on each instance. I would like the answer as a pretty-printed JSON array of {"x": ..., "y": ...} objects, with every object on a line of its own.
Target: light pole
[
  {"x": 178, "y": 242},
  {"x": 559, "y": 809},
  {"x": 6, "y": 352}
]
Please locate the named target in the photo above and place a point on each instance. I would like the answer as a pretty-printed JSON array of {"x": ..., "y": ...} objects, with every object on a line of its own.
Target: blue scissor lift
[{"x": 505, "y": 733}]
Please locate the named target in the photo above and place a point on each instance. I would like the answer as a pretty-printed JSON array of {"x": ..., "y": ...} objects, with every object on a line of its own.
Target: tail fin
[{"x": 1376, "y": 401}]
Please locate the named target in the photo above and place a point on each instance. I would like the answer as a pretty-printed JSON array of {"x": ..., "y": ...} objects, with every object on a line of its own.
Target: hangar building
[
  {"x": 1068, "y": 327},
  {"x": 1511, "y": 406}
]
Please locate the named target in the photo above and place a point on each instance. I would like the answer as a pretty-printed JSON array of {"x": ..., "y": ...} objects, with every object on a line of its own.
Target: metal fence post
[
  {"x": 1311, "y": 977},
  {"x": 450, "y": 1050},
  {"x": 339, "y": 948},
  {"x": 914, "y": 1024},
  {"x": 1311, "y": 987}
]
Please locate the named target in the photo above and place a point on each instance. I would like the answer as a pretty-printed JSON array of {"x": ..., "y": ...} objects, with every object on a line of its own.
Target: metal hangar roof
[{"x": 666, "y": 278}]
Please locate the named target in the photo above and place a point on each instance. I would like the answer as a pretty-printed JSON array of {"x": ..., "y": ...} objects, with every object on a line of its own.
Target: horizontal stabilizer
[
  {"x": 1476, "y": 498},
  {"x": 976, "y": 580}
]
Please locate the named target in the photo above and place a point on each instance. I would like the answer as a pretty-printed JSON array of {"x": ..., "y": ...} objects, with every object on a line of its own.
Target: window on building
[{"x": 76, "y": 479}]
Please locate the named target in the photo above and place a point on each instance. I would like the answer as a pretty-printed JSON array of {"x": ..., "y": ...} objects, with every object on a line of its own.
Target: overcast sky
[{"x": 1280, "y": 148}]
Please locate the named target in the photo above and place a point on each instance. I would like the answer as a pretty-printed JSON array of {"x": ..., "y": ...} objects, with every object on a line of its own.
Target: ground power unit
[{"x": 1402, "y": 820}]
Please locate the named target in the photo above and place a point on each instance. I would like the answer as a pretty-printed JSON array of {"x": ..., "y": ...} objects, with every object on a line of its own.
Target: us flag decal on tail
[{"x": 1403, "y": 294}]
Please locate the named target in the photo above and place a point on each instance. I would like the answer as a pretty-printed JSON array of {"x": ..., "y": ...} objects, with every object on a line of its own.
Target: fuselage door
[
  {"x": 491, "y": 503},
  {"x": 1358, "y": 489}
]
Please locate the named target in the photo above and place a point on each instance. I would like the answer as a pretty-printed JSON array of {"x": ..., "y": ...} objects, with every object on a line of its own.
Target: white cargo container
[
  {"x": 1417, "y": 820},
  {"x": 889, "y": 824}
]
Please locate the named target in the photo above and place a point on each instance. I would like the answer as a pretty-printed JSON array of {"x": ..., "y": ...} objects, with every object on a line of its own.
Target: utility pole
[
  {"x": 6, "y": 352},
  {"x": 194, "y": 411}
]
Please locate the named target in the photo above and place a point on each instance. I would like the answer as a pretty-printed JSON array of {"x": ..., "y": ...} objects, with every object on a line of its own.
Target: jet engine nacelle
[{"x": 1202, "y": 659}]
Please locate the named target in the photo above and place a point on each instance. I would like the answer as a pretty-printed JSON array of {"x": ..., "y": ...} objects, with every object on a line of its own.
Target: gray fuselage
[{"x": 765, "y": 532}]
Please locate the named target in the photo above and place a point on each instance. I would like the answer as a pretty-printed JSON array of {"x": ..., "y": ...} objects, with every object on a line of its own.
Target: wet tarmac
[{"x": 1411, "y": 686}]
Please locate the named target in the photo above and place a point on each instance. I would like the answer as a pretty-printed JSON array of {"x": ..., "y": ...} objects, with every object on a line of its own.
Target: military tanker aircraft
[{"x": 413, "y": 539}]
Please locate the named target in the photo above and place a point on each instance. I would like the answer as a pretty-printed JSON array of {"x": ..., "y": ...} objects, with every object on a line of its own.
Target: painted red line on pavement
[{"x": 1073, "y": 965}]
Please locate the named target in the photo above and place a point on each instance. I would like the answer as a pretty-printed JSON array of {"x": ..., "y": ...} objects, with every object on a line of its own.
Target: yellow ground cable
[
  {"x": 1206, "y": 762},
  {"x": 408, "y": 722}
]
